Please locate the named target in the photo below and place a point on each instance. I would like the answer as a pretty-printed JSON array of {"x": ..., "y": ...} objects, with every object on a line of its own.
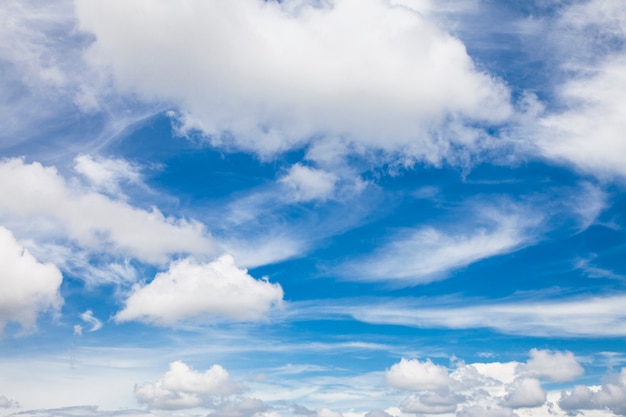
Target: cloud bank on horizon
[{"x": 329, "y": 208}]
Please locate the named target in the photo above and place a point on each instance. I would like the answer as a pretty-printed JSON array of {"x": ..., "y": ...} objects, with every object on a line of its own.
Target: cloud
[
  {"x": 88, "y": 318},
  {"x": 245, "y": 407},
  {"x": 280, "y": 74},
  {"x": 611, "y": 395},
  {"x": 44, "y": 204},
  {"x": 190, "y": 290},
  {"x": 431, "y": 403},
  {"x": 525, "y": 392},
  {"x": 413, "y": 375},
  {"x": 82, "y": 411},
  {"x": 29, "y": 287},
  {"x": 308, "y": 183},
  {"x": 587, "y": 133},
  {"x": 106, "y": 175},
  {"x": 601, "y": 316},
  {"x": 183, "y": 387},
  {"x": 6, "y": 403},
  {"x": 427, "y": 254},
  {"x": 553, "y": 365},
  {"x": 482, "y": 411}
]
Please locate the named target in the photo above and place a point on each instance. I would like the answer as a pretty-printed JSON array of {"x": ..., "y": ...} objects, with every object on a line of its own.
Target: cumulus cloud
[
  {"x": 6, "y": 403},
  {"x": 378, "y": 74},
  {"x": 29, "y": 287},
  {"x": 415, "y": 375},
  {"x": 525, "y": 392},
  {"x": 308, "y": 183},
  {"x": 183, "y": 387},
  {"x": 431, "y": 403},
  {"x": 554, "y": 365},
  {"x": 426, "y": 254},
  {"x": 46, "y": 205},
  {"x": 611, "y": 395},
  {"x": 191, "y": 290}
]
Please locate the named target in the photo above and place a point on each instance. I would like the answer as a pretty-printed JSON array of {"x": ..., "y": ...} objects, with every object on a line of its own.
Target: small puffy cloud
[
  {"x": 308, "y": 183},
  {"x": 327, "y": 412},
  {"x": 415, "y": 375},
  {"x": 28, "y": 286},
  {"x": 191, "y": 290},
  {"x": 525, "y": 392},
  {"x": 183, "y": 387},
  {"x": 245, "y": 407},
  {"x": 611, "y": 395},
  {"x": 554, "y": 365},
  {"x": 43, "y": 203},
  {"x": 380, "y": 75},
  {"x": 106, "y": 174}
]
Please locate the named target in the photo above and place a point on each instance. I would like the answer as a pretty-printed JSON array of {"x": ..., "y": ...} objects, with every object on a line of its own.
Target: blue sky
[{"x": 337, "y": 208}]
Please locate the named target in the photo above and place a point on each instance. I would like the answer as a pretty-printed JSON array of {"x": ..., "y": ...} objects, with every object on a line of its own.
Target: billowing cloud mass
[
  {"x": 525, "y": 392},
  {"x": 28, "y": 286},
  {"x": 611, "y": 395},
  {"x": 192, "y": 290},
  {"x": 554, "y": 365},
  {"x": 183, "y": 387},
  {"x": 267, "y": 76},
  {"x": 45, "y": 204}
]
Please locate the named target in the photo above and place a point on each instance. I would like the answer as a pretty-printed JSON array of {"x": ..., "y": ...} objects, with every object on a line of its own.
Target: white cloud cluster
[
  {"x": 554, "y": 365},
  {"x": 269, "y": 76},
  {"x": 490, "y": 389},
  {"x": 190, "y": 290},
  {"x": 7, "y": 403},
  {"x": 29, "y": 287},
  {"x": 611, "y": 395},
  {"x": 183, "y": 387},
  {"x": 106, "y": 175},
  {"x": 46, "y": 205}
]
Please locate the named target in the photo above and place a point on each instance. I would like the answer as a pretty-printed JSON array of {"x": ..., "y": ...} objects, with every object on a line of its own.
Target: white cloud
[
  {"x": 245, "y": 407},
  {"x": 308, "y": 183},
  {"x": 426, "y": 254},
  {"x": 106, "y": 175},
  {"x": 192, "y": 290},
  {"x": 482, "y": 411},
  {"x": 414, "y": 375},
  {"x": 554, "y": 365},
  {"x": 431, "y": 403},
  {"x": 28, "y": 286},
  {"x": 280, "y": 74},
  {"x": 582, "y": 317},
  {"x": 611, "y": 395},
  {"x": 525, "y": 392},
  {"x": 89, "y": 318},
  {"x": 183, "y": 387},
  {"x": 47, "y": 206}
]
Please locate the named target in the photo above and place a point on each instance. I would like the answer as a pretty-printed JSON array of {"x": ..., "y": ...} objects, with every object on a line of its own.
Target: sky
[{"x": 312, "y": 208}]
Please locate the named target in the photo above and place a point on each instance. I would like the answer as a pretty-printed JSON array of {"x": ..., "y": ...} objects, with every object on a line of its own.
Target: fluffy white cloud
[
  {"x": 89, "y": 318},
  {"x": 431, "y": 403},
  {"x": 183, "y": 387},
  {"x": 485, "y": 411},
  {"x": 415, "y": 375},
  {"x": 28, "y": 286},
  {"x": 612, "y": 395},
  {"x": 553, "y": 365},
  {"x": 308, "y": 183},
  {"x": 274, "y": 75},
  {"x": 46, "y": 205},
  {"x": 190, "y": 290},
  {"x": 525, "y": 392},
  {"x": 426, "y": 254}
]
